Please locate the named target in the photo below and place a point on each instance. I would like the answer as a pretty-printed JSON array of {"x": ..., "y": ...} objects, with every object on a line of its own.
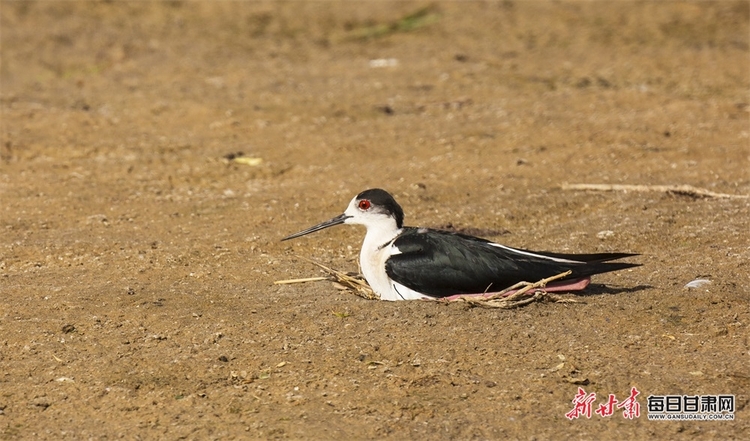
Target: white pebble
[
  {"x": 384, "y": 62},
  {"x": 697, "y": 283}
]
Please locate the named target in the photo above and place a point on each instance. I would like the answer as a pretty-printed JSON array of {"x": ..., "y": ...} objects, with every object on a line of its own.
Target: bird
[{"x": 409, "y": 263}]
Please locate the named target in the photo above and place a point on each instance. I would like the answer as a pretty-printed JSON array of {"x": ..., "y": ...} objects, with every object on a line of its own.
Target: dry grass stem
[
  {"x": 354, "y": 283},
  {"x": 519, "y": 298},
  {"x": 685, "y": 190},
  {"x": 501, "y": 299},
  {"x": 306, "y": 279}
]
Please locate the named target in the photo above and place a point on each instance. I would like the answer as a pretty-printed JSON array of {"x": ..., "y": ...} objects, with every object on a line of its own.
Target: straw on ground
[
  {"x": 525, "y": 292},
  {"x": 684, "y": 190}
]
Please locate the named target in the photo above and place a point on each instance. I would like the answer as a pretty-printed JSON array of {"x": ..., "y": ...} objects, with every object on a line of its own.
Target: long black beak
[{"x": 329, "y": 223}]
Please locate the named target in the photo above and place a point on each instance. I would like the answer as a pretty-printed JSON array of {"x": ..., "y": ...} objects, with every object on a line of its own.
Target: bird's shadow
[{"x": 597, "y": 289}]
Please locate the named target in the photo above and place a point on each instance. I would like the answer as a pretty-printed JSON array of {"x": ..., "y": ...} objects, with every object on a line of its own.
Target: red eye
[{"x": 364, "y": 205}]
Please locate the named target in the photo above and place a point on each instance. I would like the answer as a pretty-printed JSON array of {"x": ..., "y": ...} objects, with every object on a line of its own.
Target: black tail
[
  {"x": 589, "y": 258},
  {"x": 591, "y": 268},
  {"x": 597, "y": 263}
]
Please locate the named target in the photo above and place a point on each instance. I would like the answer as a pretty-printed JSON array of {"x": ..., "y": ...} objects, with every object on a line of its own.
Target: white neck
[{"x": 374, "y": 254}]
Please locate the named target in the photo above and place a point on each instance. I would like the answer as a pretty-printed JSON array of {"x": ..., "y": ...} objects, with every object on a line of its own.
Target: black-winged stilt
[{"x": 406, "y": 263}]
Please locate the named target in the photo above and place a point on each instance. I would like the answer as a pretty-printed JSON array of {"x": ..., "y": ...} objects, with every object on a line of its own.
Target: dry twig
[
  {"x": 520, "y": 292},
  {"x": 685, "y": 190},
  {"x": 306, "y": 279},
  {"x": 519, "y": 298},
  {"x": 354, "y": 283}
]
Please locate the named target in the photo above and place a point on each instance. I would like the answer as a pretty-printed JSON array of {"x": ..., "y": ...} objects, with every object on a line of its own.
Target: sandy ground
[{"x": 137, "y": 263}]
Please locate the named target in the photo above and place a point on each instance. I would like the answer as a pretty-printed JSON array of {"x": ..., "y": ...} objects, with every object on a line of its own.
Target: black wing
[{"x": 440, "y": 264}]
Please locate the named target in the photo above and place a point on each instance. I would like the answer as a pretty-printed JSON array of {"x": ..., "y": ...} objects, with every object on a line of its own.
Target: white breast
[
  {"x": 375, "y": 251},
  {"x": 372, "y": 260}
]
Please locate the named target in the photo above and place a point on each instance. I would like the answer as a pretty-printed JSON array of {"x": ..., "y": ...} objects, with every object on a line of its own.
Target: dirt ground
[{"x": 137, "y": 264}]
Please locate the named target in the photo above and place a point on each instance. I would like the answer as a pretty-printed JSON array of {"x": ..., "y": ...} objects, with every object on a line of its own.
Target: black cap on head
[{"x": 383, "y": 199}]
